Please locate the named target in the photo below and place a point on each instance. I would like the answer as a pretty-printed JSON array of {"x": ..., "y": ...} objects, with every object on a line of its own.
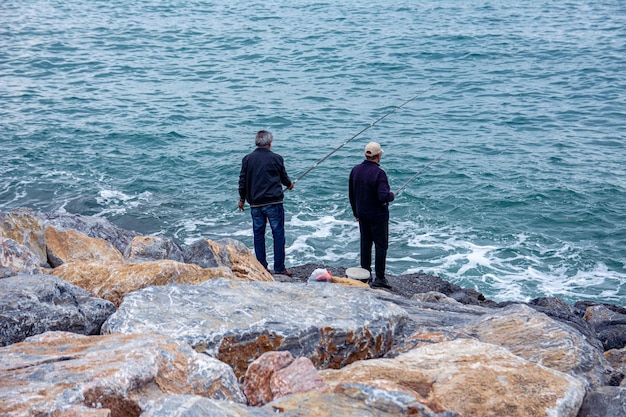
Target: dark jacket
[
  {"x": 261, "y": 176},
  {"x": 369, "y": 192}
]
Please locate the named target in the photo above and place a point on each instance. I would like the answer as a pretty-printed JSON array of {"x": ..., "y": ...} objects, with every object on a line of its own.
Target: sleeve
[
  {"x": 243, "y": 179},
  {"x": 351, "y": 194},
  {"x": 384, "y": 192},
  {"x": 284, "y": 178}
]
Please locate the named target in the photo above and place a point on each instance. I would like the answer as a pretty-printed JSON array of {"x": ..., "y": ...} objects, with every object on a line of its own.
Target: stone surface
[
  {"x": 256, "y": 383},
  {"x": 122, "y": 373},
  {"x": 472, "y": 378},
  {"x": 617, "y": 359},
  {"x": 25, "y": 227},
  {"x": 237, "y": 321},
  {"x": 112, "y": 281},
  {"x": 229, "y": 253},
  {"x": 297, "y": 377},
  {"x": 33, "y": 304},
  {"x": 609, "y": 323},
  {"x": 96, "y": 227},
  {"x": 196, "y": 406},
  {"x": 16, "y": 258},
  {"x": 604, "y": 402},
  {"x": 65, "y": 246},
  {"x": 540, "y": 339},
  {"x": 153, "y": 248}
]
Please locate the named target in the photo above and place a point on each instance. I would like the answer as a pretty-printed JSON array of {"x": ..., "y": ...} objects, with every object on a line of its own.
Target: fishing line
[
  {"x": 315, "y": 165},
  {"x": 397, "y": 193}
]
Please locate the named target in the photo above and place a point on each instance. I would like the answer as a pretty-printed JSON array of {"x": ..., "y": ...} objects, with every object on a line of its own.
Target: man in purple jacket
[
  {"x": 370, "y": 194},
  {"x": 260, "y": 183}
]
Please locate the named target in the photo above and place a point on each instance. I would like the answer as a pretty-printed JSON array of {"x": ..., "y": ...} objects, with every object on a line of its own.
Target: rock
[
  {"x": 196, "y": 406},
  {"x": 25, "y": 227},
  {"x": 153, "y": 248},
  {"x": 299, "y": 376},
  {"x": 609, "y": 323},
  {"x": 96, "y": 227},
  {"x": 256, "y": 383},
  {"x": 16, "y": 258},
  {"x": 236, "y": 321},
  {"x": 434, "y": 297},
  {"x": 617, "y": 359},
  {"x": 65, "y": 246},
  {"x": 112, "y": 281},
  {"x": 540, "y": 339},
  {"x": 34, "y": 304},
  {"x": 472, "y": 378},
  {"x": 228, "y": 253},
  {"x": 49, "y": 373},
  {"x": 314, "y": 403},
  {"x": 604, "y": 402}
]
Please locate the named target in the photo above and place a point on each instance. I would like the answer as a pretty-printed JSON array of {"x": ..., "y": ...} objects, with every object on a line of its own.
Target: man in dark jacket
[
  {"x": 260, "y": 183},
  {"x": 370, "y": 194}
]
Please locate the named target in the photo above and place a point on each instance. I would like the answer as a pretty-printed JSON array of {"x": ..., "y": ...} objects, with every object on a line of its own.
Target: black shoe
[
  {"x": 381, "y": 283},
  {"x": 285, "y": 272}
]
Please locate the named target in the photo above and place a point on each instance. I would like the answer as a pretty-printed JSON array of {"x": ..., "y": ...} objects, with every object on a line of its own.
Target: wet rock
[
  {"x": 16, "y": 258},
  {"x": 25, "y": 227},
  {"x": 237, "y": 321},
  {"x": 64, "y": 246},
  {"x": 299, "y": 376},
  {"x": 49, "y": 373},
  {"x": 617, "y": 359},
  {"x": 95, "y": 227},
  {"x": 112, "y": 281},
  {"x": 472, "y": 378},
  {"x": 153, "y": 248},
  {"x": 34, "y": 304},
  {"x": 229, "y": 253},
  {"x": 538, "y": 338}
]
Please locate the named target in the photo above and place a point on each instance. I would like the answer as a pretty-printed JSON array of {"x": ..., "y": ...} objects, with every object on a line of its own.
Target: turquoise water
[{"x": 140, "y": 112}]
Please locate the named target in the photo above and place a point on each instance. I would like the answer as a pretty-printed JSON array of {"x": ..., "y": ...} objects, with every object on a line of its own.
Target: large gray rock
[
  {"x": 59, "y": 373},
  {"x": 25, "y": 227},
  {"x": 96, "y": 227},
  {"x": 33, "y": 304},
  {"x": 604, "y": 402},
  {"x": 237, "y": 321},
  {"x": 16, "y": 258}
]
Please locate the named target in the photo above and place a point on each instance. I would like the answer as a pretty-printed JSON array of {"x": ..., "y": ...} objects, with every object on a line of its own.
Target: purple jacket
[{"x": 369, "y": 192}]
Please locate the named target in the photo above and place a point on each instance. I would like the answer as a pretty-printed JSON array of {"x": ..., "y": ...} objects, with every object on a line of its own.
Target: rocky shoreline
[{"x": 96, "y": 320}]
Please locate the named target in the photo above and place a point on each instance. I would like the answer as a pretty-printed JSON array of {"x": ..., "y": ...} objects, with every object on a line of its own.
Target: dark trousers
[
  {"x": 377, "y": 234},
  {"x": 275, "y": 214}
]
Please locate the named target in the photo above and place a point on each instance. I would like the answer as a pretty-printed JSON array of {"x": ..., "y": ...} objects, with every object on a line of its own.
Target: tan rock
[
  {"x": 240, "y": 260},
  {"x": 86, "y": 375},
  {"x": 298, "y": 376},
  {"x": 65, "y": 246},
  {"x": 349, "y": 282},
  {"x": 23, "y": 226},
  {"x": 112, "y": 281},
  {"x": 473, "y": 379}
]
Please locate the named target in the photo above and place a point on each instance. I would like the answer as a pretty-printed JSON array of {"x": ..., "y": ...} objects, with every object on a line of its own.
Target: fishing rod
[
  {"x": 315, "y": 165},
  {"x": 397, "y": 193}
]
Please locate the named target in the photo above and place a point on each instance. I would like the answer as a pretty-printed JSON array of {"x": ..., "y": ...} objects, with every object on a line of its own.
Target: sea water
[{"x": 140, "y": 112}]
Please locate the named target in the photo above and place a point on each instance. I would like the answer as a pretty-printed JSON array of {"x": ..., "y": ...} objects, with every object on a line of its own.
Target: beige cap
[{"x": 373, "y": 149}]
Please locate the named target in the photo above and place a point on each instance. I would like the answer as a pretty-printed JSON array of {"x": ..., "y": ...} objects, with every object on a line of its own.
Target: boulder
[
  {"x": 470, "y": 378},
  {"x": 153, "y": 248},
  {"x": 604, "y": 402},
  {"x": 16, "y": 258},
  {"x": 237, "y": 321},
  {"x": 121, "y": 374},
  {"x": 112, "y": 281},
  {"x": 25, "y": 227},
  {"x": 34, "y": 304},
  {"x": 536, "y": 337},
  {"x": 229, "y": 253},
  {"x": 609, "y": 323},
  {"x": 65, "y": 246},
  {"x": 96, "y": 227}
]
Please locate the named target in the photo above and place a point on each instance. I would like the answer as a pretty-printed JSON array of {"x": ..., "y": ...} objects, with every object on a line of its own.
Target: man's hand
[
  {"x": 240, "y": 205},
  {"x": 291, "y": 186}
]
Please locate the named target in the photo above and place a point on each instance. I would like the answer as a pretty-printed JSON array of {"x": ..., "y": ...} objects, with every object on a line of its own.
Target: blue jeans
[{"x": 276, "y": 216}]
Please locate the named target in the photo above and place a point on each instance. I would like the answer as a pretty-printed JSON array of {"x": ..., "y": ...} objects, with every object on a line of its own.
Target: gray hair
[{"x": 263, "y": 138}]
